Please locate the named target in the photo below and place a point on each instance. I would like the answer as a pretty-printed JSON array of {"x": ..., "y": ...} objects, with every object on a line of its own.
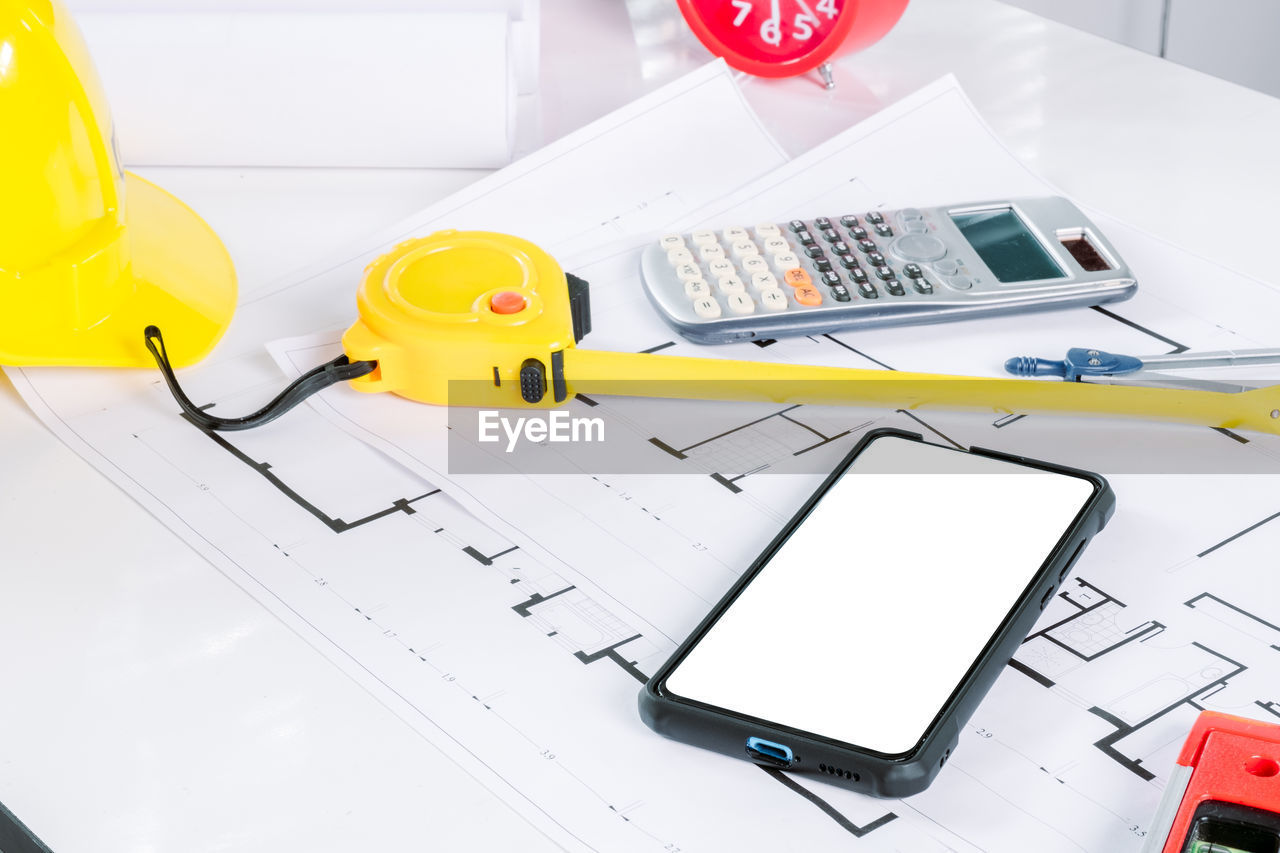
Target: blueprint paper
[
  {"x": 1069, "y": 752},
  {"x": 520, "y": 655}
]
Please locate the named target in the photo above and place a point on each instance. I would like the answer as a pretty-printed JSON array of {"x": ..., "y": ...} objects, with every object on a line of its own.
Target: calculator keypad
[{"x": 801, "y": 264}]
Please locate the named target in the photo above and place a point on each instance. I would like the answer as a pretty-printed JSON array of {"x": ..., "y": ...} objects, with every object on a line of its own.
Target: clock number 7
[{"x": 744, "y": 9}]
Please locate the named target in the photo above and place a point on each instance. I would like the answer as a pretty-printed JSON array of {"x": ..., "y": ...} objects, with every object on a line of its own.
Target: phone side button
[
  {"x": 770, "y": 752},
  {"x": 1048, "y": 596}
]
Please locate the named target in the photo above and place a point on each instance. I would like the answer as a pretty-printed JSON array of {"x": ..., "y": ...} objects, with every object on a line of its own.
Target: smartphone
[{"x": 861, "y": 640}]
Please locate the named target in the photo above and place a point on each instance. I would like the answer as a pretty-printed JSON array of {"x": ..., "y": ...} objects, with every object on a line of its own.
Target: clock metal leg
[{"x": 828, "y": 79}]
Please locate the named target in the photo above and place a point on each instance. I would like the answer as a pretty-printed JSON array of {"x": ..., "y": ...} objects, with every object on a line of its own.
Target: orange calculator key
[
  {"x": 797, "y": 278},
  {"x": 807, "y": 295}
]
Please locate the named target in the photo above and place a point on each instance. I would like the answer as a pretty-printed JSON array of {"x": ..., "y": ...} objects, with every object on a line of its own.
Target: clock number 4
[{"x": 828, "y": 8}]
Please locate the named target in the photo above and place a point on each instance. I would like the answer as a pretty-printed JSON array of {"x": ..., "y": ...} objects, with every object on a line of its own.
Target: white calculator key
[
  {"x": 776, "y": 245},
  {"x": 743, "y": 248},
  {"x": 785, "y": 261},
  {"x": 730, "y": 284},
  {"x": 767, "y": 229},
  {"x": 720, "y": 267},
  {"x": 714, "y": 252},
  {"x": 740, "y": 303},
  {"x": 707, "y": 309},
  {"x": 753, "y": 264},
  {"x": 671, "y": 241},
  {"x": 679, "y": 255},
  {"x": 764, "y": 281},
  {"x": 688, "y": 272},
  {"x": 703, "y": 237},
  {"x": 697, "y": 289},
  {"x": 735, "y": 233},
  {"x": 773, "y": 299}
]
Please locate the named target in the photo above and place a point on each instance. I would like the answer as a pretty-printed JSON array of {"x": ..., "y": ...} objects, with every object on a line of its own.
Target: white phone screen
[{"x": 869, "y": 616}]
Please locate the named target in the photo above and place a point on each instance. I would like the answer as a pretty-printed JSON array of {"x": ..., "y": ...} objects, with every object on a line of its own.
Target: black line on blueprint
[
  {"x": 659, "y": 347},
  {"x": 1177, "y": 347},
  {"x": 585, "y": 400},
  {"x": 839, "y": 342},
  {"x": 662, "y": 445},
  {"x": 1229, "y": 434},
  {"x": 1031, "y": 673},
  {"x": 537, "y": 598},
  {"x": 1236, "y": 536},
  {"x": 611, "y": 653},
  {"x": 802, "y": 426},
  {"x": 480, "y": 558},
  {"x": 1192, "y": 603},
  {"x": 827, "y": 809},
  {"x": 765, "y": 342},
  {"x": 825, "y": 441},
  {"x": 744, "y": 426},
  {"x": 931, "y": 429},
  {"x": 337, "y": 525},
  {"x": 728, "y": 484},
  {"x": 1269, "y": 707}
]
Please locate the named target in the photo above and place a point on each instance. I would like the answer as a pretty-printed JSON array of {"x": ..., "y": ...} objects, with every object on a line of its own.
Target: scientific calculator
[{"x": 881, "y": 268}]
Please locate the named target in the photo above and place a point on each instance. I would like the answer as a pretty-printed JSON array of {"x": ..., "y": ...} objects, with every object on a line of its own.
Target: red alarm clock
[{"x": 782, "y": 38}]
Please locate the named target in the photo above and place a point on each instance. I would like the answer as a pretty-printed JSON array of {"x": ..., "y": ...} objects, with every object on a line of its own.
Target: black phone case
[{"x": 842, "y": 764}]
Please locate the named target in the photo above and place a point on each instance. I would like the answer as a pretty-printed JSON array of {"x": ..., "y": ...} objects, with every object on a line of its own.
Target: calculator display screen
[
  {"x": 869, "y": 615},
  {"x": 1006, "y": 245}
]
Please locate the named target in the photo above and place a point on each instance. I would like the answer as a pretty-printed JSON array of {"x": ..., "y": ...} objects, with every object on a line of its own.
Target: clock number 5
[
  {"x": 805, "y": 22},
  {"x": 744, "y": 9}
]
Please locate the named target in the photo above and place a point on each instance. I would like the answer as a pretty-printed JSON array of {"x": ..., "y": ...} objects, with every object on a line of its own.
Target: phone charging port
[{"x": 768, "y": 752}]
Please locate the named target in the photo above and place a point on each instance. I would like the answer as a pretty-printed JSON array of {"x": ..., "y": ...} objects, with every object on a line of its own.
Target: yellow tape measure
[{"x": 475, "y": 318}]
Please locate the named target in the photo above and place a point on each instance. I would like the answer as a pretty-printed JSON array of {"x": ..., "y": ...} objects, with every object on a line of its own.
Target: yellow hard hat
[{"x": 89, "y": 255}]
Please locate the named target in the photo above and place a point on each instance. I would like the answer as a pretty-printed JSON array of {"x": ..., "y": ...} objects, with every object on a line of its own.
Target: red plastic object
[
  {"x": 507, "y": 302},
  {"x": 1231, "y": 760},
  {"x": 782, "y": 38}
]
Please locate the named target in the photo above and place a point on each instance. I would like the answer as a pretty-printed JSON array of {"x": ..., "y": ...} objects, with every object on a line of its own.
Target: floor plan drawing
[{"x": 509, "y": 620}]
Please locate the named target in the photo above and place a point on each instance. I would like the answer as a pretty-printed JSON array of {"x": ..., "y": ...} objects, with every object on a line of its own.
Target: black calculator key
[
  {"x": 840, "y": 247},
  {"x": 841, "y": 293},
  {"x": 805, "y": 237},
  {"x": 822, "y": 222},
  {"x": 859, "y": 276},
  {"x": 884, "y": 230},
  {"x": 814, "y": 252},
  {"x": 829, "y": 234},
  {"x": 831, "y": 278},
  {"x": 796, "y": 225},
  {"x": 922, "y": 286},
  {"x": 886, "y": 273},
  {"x": 848, "y": 220},
  {"x": 867, "y": 246},
  {"x": 823, "y": 265},
  {"x": 876, "y": 259},
  {"x": 849, "y": 262},
  {"x": 895, "y": 288},
  {"x": 868, "y": 290},
  {"x": 858, "y": 233},
  {"x": 912, "y": 271},
  {"x": 875, "y": 217}
]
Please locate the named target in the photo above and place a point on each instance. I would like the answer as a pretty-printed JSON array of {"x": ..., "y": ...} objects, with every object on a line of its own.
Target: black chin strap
[{"x": 340, "y": 369}]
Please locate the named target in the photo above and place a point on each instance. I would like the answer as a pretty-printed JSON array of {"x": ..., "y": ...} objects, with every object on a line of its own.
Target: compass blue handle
[{"x": 1079, "y": 363}]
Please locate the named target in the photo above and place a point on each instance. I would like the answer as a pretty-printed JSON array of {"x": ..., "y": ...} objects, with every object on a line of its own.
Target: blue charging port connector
[{"x": 769, "y": 752}]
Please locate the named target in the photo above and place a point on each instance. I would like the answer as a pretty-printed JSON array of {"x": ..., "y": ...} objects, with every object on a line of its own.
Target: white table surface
[{"x": 150, "y": 704}]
